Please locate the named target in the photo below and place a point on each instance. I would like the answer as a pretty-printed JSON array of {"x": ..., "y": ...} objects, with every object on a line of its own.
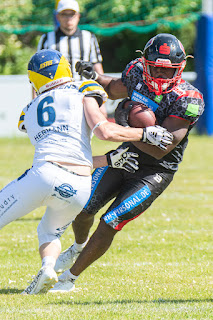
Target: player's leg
[
  {"x": 25, "y": 194},
  {"x": 98, "y": 244},
  {"x": 106, "y": 183},
  {"x": 21, "y": 196},
  {"x": 81, "y": 227},
  {"x": 68, "y": 195},
  {"x": 136, "y": 196}
]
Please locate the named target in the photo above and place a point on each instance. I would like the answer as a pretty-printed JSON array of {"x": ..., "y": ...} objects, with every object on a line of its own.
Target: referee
[{"x": 73, "y": 43}]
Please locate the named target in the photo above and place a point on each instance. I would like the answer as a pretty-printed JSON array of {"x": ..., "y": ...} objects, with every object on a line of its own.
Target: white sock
[
  {"x": 79, "y": 247},
  {"x": 67, "y": 275},
  {"x": 48, "y": 261}
]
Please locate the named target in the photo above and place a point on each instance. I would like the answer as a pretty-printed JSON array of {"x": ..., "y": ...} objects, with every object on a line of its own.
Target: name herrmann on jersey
[{"x": 40, "y": 135}]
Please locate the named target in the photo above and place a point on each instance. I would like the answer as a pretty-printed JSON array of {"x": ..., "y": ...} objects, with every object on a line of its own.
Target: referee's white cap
[{"x": 67, "y": 5}]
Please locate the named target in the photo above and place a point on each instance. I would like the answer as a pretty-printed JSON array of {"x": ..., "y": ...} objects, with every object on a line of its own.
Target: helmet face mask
[
  {"x": 48, "y": 68},
  {"x": 163, "y": 51}
]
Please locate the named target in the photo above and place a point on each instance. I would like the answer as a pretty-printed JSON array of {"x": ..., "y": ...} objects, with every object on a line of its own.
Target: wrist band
[{"x": 98, "y": 125}]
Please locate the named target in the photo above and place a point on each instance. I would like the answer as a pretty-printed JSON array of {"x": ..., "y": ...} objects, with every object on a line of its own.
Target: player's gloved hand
[
  {"x": 122, "y": 115},
  {"x": 157, "y": 136},
  {"x": 86, "y": 70},
  {"x": 122, "y": 159}
]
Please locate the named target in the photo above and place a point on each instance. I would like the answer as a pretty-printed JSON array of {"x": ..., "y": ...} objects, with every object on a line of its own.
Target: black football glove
[
  {"x": 86, "y": 70},
  {"x": 122, "y": 159},
  {"x": 121, "y": 114},
  {"x": 157, "y": 136}
]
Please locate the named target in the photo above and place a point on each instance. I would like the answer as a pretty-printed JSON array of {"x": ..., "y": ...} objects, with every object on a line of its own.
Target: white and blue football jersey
[{"x": 56, "y": 124}]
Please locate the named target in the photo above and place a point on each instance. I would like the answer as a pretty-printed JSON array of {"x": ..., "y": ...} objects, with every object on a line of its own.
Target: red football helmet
[{"x": 166, "y": 51}]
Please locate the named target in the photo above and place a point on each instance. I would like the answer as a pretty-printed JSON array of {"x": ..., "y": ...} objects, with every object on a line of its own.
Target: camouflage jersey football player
[
  {"x": 183, "y": 102},
  {"x": 155, "y": 80}
]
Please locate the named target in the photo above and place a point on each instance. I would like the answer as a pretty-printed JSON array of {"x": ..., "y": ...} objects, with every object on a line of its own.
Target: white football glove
[
  {"x": 157, "y": 136},
  {"x": 122, "y": 159}
]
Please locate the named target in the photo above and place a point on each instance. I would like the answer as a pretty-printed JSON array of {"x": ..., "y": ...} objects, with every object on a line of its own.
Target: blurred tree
[
  {"x": 112, "y": 11},
  {"x": 15, "y": 52},
  {"x": 118, "y": 50}
]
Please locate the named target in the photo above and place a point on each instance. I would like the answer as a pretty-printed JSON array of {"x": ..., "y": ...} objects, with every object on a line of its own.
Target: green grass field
[{"x": 159, "y": 266}]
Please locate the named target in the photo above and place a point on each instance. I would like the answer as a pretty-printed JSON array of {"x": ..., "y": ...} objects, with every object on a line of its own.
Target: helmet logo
[
  {"x": 46, "y": 64},
  {"x": 164, "y": 49}
]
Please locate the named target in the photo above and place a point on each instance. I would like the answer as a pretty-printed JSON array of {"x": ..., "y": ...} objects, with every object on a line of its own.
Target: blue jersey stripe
[
  {"x": 96, "y": 177},
  {"x": 94, "y": 84}
]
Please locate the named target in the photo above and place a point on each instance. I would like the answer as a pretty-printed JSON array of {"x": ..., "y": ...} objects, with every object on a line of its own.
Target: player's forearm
[
  {"x": 116, "y": 133},
  {"x": 151, "y": 150},
  {"x": 98, "y": 68},
  {"x": 104, "y": 80},
  {"x": 113, "y": 86}
]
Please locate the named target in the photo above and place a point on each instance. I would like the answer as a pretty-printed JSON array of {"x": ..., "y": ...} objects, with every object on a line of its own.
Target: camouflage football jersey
[{"x": 184, "y": 102}]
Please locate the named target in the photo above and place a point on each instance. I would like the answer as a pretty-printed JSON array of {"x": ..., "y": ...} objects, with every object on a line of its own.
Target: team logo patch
[
  {"x": 138, "y": 87},
  {"x": 192, "y": 110},
  {"x": 158, "y": 98},
  {"x": 66, "y": 190},
  {"x": 158, "y": 178}
]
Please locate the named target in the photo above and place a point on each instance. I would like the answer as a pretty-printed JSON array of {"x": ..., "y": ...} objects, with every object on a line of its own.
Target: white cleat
[
  {"x": 63, "y": 285},
  {"x": 66, "y": 259},
  {"x": 45, "y": 280}
]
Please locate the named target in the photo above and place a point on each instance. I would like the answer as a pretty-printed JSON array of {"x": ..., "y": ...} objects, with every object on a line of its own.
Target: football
[{"x": 140, "y": 116}]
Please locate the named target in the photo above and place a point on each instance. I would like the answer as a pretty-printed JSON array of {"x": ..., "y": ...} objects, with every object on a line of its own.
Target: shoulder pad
[{"x": 91, "y": 86}]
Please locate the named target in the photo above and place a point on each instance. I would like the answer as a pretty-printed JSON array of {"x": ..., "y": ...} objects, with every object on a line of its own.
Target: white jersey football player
[{"x": 60, "y": 122}]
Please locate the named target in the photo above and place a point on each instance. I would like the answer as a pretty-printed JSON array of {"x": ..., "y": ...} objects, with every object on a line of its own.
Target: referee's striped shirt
[{"x": 82, "y": 45}]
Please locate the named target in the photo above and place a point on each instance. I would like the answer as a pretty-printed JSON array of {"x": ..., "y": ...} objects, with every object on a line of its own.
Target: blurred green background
[{"x": 121, "y": 28}]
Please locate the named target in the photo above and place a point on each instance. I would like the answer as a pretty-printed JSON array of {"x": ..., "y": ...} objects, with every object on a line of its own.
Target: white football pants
[{"x": 45, "y": 184}]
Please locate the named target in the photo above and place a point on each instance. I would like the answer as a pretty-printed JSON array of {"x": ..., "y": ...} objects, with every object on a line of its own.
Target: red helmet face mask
[{"x": 163, "y": 51}]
